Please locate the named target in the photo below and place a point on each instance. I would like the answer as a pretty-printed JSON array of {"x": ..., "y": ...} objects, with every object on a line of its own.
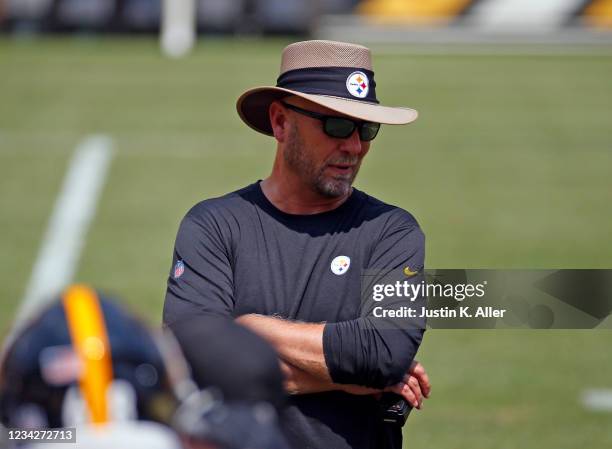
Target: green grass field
[{"x": 508, "y": 167}]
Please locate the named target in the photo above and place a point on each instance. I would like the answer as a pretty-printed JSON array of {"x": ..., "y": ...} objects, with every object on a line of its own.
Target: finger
[
  {"x": 414, "y": 386},
  {"x": 418, "y": 371},
  {"x": 406, "y": 392},
  {"x": 410, "y": 396},
  {"x": 423, "y": 380},
  {"x": 425, "y": 385}
]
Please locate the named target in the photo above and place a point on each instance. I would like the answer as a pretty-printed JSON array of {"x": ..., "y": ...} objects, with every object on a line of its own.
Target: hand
[{"x": 415, "y": 385}]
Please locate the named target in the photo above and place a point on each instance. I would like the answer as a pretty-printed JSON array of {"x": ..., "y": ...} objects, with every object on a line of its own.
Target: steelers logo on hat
[{"x": 358, "y": 84}]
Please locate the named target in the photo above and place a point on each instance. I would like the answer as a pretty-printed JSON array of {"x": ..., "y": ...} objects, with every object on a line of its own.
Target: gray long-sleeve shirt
[{"x": 239, "y": 254}]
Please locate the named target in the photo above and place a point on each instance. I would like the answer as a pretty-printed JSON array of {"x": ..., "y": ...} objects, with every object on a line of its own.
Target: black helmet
[{"x": 85, "y": 360}]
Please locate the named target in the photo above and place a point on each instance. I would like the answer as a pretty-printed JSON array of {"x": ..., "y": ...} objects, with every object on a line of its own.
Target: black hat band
[{"x": 345, "y": 82}]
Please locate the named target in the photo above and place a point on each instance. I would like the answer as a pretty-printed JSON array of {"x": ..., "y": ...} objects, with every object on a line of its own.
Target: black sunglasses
[{"x": 340, "y": 127}]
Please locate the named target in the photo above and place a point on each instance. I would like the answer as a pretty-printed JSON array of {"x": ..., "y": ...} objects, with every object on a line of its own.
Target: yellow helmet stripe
[{"x": 89, "y": 338}]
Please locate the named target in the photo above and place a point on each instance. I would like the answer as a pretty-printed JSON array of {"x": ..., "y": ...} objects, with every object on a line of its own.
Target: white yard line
[
  {"x": 598, "y": 400},
  {"x": 65, "y": 235}
]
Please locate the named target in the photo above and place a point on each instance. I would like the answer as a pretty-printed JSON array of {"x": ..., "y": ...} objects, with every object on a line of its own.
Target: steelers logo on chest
[{"x": 340, "y": 265}]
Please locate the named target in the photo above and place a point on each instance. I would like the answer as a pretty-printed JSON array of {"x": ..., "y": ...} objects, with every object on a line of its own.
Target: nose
[{"x": 352, "y": 144}]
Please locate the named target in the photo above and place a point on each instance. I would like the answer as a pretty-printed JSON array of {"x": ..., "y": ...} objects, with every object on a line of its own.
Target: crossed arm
[{"x": 300, "y": 348}]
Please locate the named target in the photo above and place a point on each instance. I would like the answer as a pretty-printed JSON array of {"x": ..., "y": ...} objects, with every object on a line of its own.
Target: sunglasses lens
[
  {"x": 339, "y": 127},
  {"x": 368, "y": 131}
]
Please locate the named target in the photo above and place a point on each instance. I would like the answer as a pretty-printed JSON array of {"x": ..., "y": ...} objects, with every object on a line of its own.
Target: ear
[{"x": 278, "y": 120}]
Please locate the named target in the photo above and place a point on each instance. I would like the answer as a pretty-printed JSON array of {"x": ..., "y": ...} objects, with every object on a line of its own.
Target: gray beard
[{"x": 328, "y": 186}]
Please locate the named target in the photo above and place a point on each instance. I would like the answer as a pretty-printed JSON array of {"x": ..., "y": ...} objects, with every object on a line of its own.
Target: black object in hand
[{"x": 394, "y": 409}]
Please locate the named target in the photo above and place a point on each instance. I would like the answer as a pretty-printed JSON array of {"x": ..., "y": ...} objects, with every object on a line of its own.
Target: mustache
[{"x": 344, "y": 161}]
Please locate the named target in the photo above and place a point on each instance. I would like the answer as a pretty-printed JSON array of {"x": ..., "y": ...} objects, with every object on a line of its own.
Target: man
[{"x": 285, "y": 256}]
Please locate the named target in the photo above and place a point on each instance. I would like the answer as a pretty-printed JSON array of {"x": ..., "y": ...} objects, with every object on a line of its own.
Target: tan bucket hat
[{"x": 336, "y": 75}]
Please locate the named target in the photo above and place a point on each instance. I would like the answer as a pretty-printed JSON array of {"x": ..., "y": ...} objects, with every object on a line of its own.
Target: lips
[{"x": 342, "y": 169}]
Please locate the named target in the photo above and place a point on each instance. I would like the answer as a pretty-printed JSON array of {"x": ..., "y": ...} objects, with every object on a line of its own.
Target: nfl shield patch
[{"x": 179, "y": 269}]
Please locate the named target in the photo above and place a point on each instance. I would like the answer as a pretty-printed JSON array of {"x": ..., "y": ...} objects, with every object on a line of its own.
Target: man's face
[{"x": 329, "y": 165}]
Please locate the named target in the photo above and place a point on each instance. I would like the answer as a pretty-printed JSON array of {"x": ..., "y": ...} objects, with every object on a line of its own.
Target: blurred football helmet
[{"x": 84, "y": 360}]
